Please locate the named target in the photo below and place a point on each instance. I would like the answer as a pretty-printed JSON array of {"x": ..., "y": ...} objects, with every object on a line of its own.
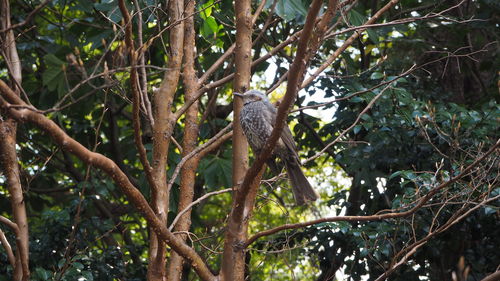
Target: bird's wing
[{"x": 286, "y": 134}]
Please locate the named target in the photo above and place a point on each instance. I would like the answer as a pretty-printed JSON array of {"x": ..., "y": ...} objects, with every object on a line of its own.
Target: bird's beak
[{"x": 238, "y": 94}]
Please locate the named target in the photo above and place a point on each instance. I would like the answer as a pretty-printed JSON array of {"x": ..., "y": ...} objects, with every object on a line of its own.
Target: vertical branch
[
  {"x": 135, "y": 91},
  {"x": 162, "y": 131},
  {"x": 321, "y": 28},
  {"x": 143, "y": 78},
  {"x": 189, "y": 142},
  {"x": 8, "y": 249},
  {"x": 8, "y": 155},
  {"x": 233, "y": 259},
  {"x": 142, "y": 66}
]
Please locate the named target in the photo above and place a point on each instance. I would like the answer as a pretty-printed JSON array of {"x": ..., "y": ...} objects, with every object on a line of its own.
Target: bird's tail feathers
[{"x": 302, "y": 189}]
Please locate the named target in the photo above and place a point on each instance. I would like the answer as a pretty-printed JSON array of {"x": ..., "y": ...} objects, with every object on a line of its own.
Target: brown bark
[
  {"x": 157, "y": 175},
  {"x": 191, "y": 128},
  {"x": 8, "y": 249},
  {"x": 8, "y": 154},
  {"x": 492, "y": 277},
  {"x": 233, "y": 257},
  {"x": 134, "y": 80},
  {"x": 236, "y": 233},
  {"x": 162, "y": 132},
  {"x": 8, "y": 158},
  {"x": 25, "y": 113}
]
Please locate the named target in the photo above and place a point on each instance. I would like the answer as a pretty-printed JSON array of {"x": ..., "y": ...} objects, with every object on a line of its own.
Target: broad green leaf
[
  {"x": 54, "y": 76},
  {"x": 290, "y": 9},
  {"x": 376, "y": 75},
  {"x": 356, "y": 18},
  {"x": 372, "y": 34}
]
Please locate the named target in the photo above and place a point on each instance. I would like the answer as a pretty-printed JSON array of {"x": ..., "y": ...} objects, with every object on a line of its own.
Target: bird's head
[{"x": 252, "y": 96}]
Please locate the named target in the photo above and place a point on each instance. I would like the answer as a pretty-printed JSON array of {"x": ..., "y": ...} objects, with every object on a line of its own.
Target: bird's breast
[{"x": 255, "y": 126}]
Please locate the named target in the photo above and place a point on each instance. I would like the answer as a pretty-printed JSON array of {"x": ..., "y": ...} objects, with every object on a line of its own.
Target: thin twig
[
  {"x": 179, "y": 215},
  {"x": 385, "y": 216},
  {"x": 194, "y": 152}
]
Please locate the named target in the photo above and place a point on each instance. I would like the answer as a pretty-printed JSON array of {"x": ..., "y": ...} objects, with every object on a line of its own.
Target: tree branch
[
  {"x": 346, "y": 44},
  {"x": 109, "y": 167},
  {"x": 296, "y": 72},
  {"x": 8, "y": 249},
  {"x": 136, "y": 119},
  {"x": 420, "y": 203},
  {"x": 171, "y": 227}
]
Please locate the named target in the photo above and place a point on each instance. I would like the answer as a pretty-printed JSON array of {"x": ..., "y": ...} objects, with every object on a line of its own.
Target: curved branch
[
  {"x": 415, "y": 208},
  {"x": 8, "y": 249},
  {"x": 408, "y": 252},
  {"x": 109, "y": 167},
  {"x": 12, "y": 225},
  {"x": 214, "y": 139},
  {"x": 179, "y": 215}
]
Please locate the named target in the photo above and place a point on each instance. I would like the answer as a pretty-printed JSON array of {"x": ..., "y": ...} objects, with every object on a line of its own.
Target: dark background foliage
[{"x": 421, "y": 131}]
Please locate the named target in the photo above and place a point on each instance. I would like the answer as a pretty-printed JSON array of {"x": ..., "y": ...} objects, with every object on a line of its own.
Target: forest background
[{"x": 121, "y": 161}]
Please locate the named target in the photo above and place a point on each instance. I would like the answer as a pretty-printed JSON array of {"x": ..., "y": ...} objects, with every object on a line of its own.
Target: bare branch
[
  {"x": 109, "y": 167},
  {"x": 409, "y": 212},
  {"x": 136, "y": 119},
  {"x": 347, "y": 43},
  {"x": 12, "y": 225},
  {"x": 179, "y": 215},
  {"x": 28, "y": 18},
  {"x": 193, "y": 153},
  {"x": 8, "y": 249},
  {"x": 412, "y": 249}
]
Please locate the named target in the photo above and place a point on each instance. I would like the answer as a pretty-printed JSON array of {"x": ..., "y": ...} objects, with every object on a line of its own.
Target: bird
[{"x": 257, "y": 119}]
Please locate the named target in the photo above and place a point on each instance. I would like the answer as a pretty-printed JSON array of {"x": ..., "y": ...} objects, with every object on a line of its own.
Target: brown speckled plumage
[{"x": 257, "y": 119}]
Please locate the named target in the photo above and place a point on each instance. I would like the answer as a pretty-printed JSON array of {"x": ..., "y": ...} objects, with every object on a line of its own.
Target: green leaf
[
  {"x": 366, "y": 117},
  {"x": 290, "y": 9},
  {"x": 356, "y": 99},
  {"x": 77, "y": 265},
  {"x": 206, "y": 9},
  {"x": 356, "y": 18},
  {"x": 54, "y": 76},
  {"x": 368, "y": 125},
  {"x": 41, "y": 274},
  {"x": 88, "y": 275},
  {"x": 372, "y": 34},
  {"x": 61, "y": 263},
  {"x": 52, "y": 60},
  {"x": 395, "y": 174},
  {"x": 356, "y": 129},
  {"x": 376, "y": 75},
  {"x": 51, "y": 78},
  {"x": 212, "y": 24}
]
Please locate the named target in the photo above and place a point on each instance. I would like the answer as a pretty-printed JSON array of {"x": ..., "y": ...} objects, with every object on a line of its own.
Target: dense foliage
[{"x": 424, "y": 127}]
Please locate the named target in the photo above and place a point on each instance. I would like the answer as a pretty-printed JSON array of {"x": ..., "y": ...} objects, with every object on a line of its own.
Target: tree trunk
[
  {"x": 233, "y": 259},
  {"x": 162, "y": 131},
  {"x": 8, "y": 154},
  {"x": 188, "y": 171}
]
